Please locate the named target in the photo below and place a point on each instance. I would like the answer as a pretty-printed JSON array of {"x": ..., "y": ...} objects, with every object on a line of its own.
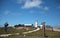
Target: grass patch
[{"x": 38, "y": 34}]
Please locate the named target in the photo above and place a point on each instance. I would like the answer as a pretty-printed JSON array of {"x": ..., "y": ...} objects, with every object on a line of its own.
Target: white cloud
[
  {"x": 16, "y": 14},
  {"x": 20, "y": 1},
  {"x": 46, "y": 8},
  {"x": 33, "y": 3},
  {"x": 59, "y": 7},
  {"x": 6, "y": 12},
  {"x": 31, "y": 11}
]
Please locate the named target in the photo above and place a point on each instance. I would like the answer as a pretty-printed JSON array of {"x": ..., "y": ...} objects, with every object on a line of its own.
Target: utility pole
[{"x": 43, "y": 29}]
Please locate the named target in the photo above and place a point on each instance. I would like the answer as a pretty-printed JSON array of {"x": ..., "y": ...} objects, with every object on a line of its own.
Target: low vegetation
[{"x": 38, "y": 34}]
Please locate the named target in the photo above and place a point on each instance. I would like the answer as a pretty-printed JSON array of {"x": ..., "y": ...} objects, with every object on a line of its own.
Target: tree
[
  {"x": 5, "y": 26},
  {"x": 19, "y": 25}
]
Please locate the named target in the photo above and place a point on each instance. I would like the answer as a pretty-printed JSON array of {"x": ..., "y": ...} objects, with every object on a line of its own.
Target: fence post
[{"x": 43, "y": 29}]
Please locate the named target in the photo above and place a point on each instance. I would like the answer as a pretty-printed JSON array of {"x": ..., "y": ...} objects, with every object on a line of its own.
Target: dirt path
[{"x": 31, "y": 31}]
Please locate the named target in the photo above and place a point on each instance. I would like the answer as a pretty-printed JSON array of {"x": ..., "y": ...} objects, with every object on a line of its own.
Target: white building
[{"x": 28, "y": 24}]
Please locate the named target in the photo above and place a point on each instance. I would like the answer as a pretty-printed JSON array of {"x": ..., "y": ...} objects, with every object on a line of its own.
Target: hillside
[{"x": 37, "y": 34}]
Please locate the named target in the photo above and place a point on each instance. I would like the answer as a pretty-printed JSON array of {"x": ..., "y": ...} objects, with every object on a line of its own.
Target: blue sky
[{"x": 27, "y": 11}]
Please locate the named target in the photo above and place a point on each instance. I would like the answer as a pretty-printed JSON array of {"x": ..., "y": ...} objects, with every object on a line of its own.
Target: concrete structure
[
  {"x": 36, "y": 23},
  {"x": 43, "y": 29}
]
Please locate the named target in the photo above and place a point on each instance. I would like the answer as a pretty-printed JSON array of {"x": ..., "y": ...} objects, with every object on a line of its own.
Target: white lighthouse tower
[{"x": 36, "y": 23}]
